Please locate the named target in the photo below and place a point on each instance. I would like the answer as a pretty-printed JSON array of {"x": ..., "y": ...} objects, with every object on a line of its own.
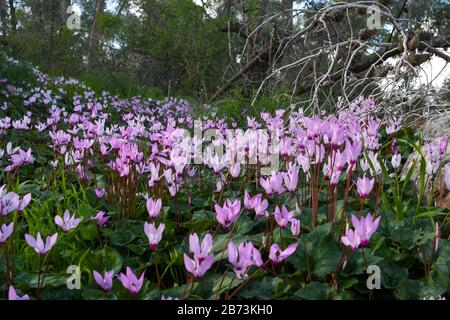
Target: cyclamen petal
[
  {"x": 277, "y": 255},
  {"x": 364, "y": 186},
  {"x": 229, "y": 213},
  {"x": 283, "y": 216},
  {"x": 25, "y": 201},
  {"x": 100, "y": 219},
  {"x": 38, "y": 244},
  {"x": 203, "y": 259},
  {"x": 67, "y": 222},
  {"x": 243, "y": 257},
  {"x": 351, "y": 239},
  {"x": 131, "y": 282},
  {"x": 365, "y": 227},
  {"x": 12, "y": 295},
  {"x": 5, "y": 232},
  {"x": 295, "y": 227},
  {"x": 207, "y": 244},
  {"x": 100, "y": 192},
  {"x": 189, "y": 263},
  {"x": 153, "y": 207},
  {"x": 104, "y": 282},
  {"x": 261, "y": 207},
  {"x": 194, "y": 246},
  {"x": 153, "y": 234}
]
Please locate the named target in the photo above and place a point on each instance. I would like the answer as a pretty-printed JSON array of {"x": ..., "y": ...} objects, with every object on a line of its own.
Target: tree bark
[
  {"x": 288, "y": 23},
  {"x": 4, "y": 17},
  {"x": 12, "y": 13},
  {"x": 95, "y": 33},
  {"x": 63, "y": 11}
]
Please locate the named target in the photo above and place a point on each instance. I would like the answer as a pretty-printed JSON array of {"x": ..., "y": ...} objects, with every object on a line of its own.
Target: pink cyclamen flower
[
  {"x": 12, "y": 295},
  {"x": 243, "y": 257},
  {"x": 364, "y": 186},
  {"x": 334, "y": 177},
  {"x": 234, "y": 170},
  {"x": 394, "y": 146},
  {"x": 9, "y": 201},
  {"x": 277, "y": 255},
  {"x": 105, "y": 282},
  {"x": 24, "y": 202},
  {"x": 67, "y": 222},
  {"x": 131, "y": 282},
  {"x": 38, "y": 244},
  {"x": 283, "y": 216},
  {"x": 273, "y": 184},
  {"x": 153, "y": 234},
  {"x": 100, "y": 219},
  {"x": 393, "y": 125},
  {"x": 250, "y": 202},
  {"x": 285, "y": 146},
  {"x": 100, "y": 192},
  {"x": 153, "y": 207},
  {"x": 202, "y": 250},
  {"x": 5, "y": 232},
  {"x": 19, "y": 159},
  {"x": 336, "y": 135},
  {"x": 229, "y": 213},
  {"x": 291, "y": 178},
  {"x": 203, "y": 258},
  {"x": 443, "y": 141},
  {"x": 295, "y": 227},
  {"x": 351, "y": 239},
  {"x": 365, "y": 227},
  {"x": 396, "y": 160},
  {"x": 352, "y": 150},
  {"x": 261, "y": 208}
]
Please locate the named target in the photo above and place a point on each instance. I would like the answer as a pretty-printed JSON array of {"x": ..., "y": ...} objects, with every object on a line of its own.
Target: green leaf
[
  {"x": 392, "y": 274},
  {"x": 314, "y": 291},
  {"x": 264, "y": 289},
  {"x": 441, "y": 267},
  {"x": 201, "y": 221},
  {"x": 357, "y": 265},
  {"x": 229, "y": 282},
  {"x": 85, "y": 210},
  {"x": 92, "y": 294},
  {"x": 409, "y": 289},
  {"x": 105, "y": 259},
  {"x": 88, "y": 231},
  {"x": 124, "y": 232},
  {"x": 431, "y": 213},
  {"x": 422, "y": 172},
  {"x": 50, "y": 280},
  {"x": 409, "y": 175}
]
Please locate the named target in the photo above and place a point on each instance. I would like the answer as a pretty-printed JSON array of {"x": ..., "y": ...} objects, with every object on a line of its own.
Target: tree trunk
[
  {"x": 63, "y": 11},
  {"x": 95, "y": 34},
  {"x": 12, "y": 13},
  {"x": 4, "y": 17},
  {"x": 264, "y": 6},
  {"x": 288, "y": 23}
]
